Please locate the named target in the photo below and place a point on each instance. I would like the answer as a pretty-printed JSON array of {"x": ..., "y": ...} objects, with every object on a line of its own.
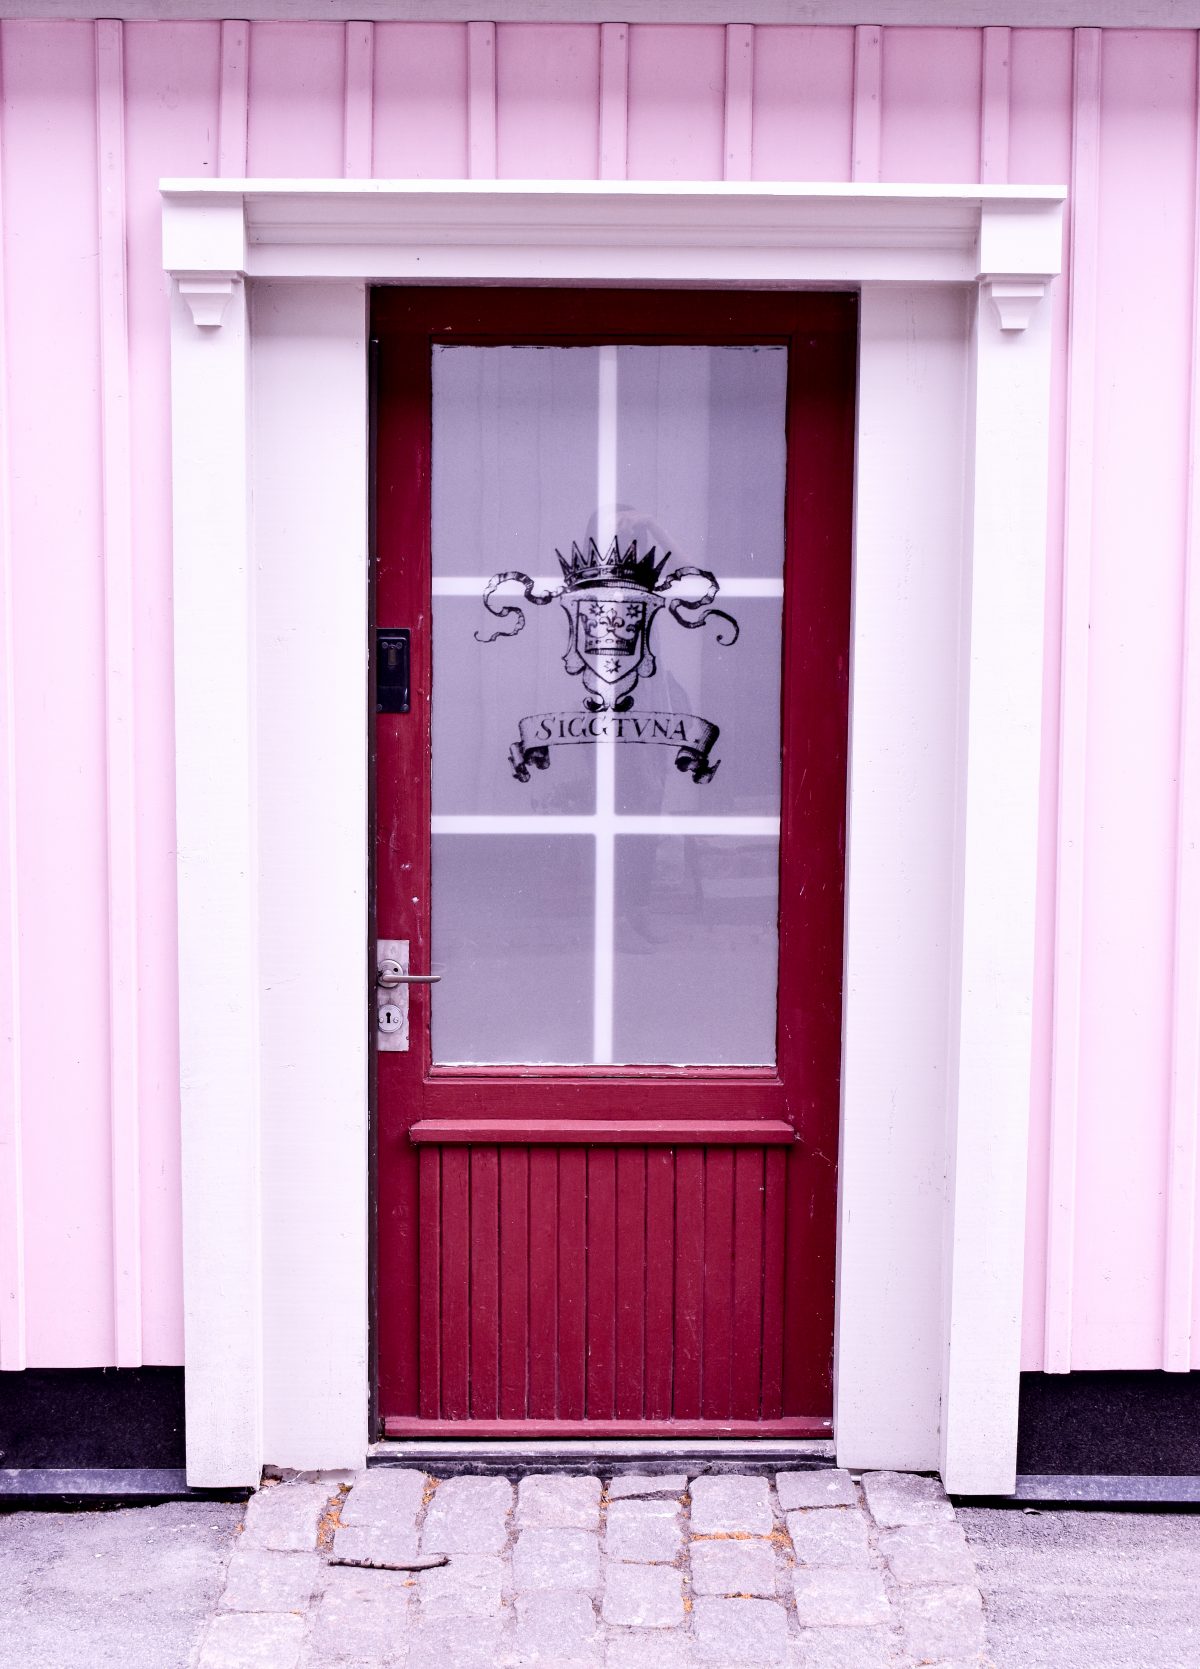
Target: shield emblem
[{"x": 609, "y": 641}]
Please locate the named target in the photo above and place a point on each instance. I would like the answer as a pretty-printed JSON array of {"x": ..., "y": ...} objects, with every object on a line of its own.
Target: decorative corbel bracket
[
  {"x": 1015, "y": 299},
  {"x": 207, "y": 296}
]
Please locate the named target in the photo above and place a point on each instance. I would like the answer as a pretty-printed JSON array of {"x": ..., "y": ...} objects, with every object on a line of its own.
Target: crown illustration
[{"x": 611, "y": 567}]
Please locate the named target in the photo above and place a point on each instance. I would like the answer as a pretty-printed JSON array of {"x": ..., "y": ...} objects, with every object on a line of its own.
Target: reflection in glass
[
  {"x": 697, "y": 946},
  {"x": 512, "y": 937}
]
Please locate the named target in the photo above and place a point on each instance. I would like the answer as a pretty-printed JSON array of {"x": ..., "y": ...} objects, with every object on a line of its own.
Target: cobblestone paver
[{"x": 809, "y": 1569}]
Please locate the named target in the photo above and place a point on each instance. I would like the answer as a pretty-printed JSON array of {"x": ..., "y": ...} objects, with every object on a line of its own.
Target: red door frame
[{"x": 616, "y": 1105}]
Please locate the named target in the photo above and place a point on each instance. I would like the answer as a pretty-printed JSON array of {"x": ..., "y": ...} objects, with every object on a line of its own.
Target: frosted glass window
[
  {"x": 696, "y": 944},
  {"x": 608, "y": 535},
  {"x": 512, "y": 921}
]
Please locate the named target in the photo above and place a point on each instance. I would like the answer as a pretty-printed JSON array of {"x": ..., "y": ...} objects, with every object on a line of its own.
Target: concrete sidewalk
[
  {"x": 1102, "y": 1590},
  {"x": 134, "y": 1588}
]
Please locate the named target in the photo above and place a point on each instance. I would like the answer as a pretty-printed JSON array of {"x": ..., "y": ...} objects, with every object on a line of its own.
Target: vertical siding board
[
  {"x": 631, "y": 1282},
  {"x": 481, "y": 101},
  {"x": 484, "y": 1386},
  {"x": 803, "y": 102},
  {"x": 12, "y": 1202},
  {"x": 543, "y": 1283},
  {"x": 807, "y": 1305},
  {"x": 931, "y": 98},
  {"x": 689, "y": 1282},
  {"x": 774, "y": 1254},
  {"x": 1138, "y": 554},
  {"x": 601, "y": 1283},
  {"x": 1039, "y": 152},
  {"x": 233, "y": 118},
  {"x": 420, "y": 101},
  {"x": 867, "y": 121},
  {"x": 739, "y": 101},
  {"x": 398, "y": 1271},
  {"x": 59, "y": 789},
  {"x": 994, "y": 127},
  {"x": 547, "y": 100},
  {"x": 456, "y": 1282},
  {"x": 660, "y": 1281},
  {"x": 676, "y": 101},
  {"x": 119, "y": 650},
  {"x": 514, "y": 1282},
  {"x": 573, "y": 1274},
  {"x": 1073, "y": 702},
  {"x": 297, "y": 82},
  {"x": 430, "y": 1283},
  {"x": 172, "y": 91},
  {"x": 1183, "y": 1147},
  {"x": 718, "y": 1283},
  {"x": 614, "y": 101},
  {"x": 749, "y": 1176},
  {"x": 357, "y": 100}
]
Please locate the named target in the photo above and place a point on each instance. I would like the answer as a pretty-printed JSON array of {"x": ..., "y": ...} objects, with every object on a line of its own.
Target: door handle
[{"x": 392, "y": 974}]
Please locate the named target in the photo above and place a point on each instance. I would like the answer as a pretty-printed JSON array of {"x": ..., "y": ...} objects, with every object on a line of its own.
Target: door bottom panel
[{"x": 606, "y": 1291}]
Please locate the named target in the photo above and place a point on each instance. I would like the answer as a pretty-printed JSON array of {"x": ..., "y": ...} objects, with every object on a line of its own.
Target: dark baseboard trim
[
  {"x": 92, "y": 1418},
  {"x": 1118, "y": 1424}
]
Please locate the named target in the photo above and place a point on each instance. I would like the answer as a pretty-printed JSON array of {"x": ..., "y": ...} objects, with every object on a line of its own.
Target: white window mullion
[
  {"x": 603, "y": 980},
  {"x": 606, "y": 761}
]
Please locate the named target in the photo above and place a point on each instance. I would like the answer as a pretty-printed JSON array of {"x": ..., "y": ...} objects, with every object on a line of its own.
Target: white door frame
[{"x": 269, "y": 412}]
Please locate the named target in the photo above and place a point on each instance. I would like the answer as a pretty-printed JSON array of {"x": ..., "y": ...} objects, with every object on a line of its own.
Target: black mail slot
[{"x": 391, "y": 670}]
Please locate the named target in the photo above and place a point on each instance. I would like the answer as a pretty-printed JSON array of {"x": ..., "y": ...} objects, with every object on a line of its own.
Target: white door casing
[{"x": 269, "y": 412}]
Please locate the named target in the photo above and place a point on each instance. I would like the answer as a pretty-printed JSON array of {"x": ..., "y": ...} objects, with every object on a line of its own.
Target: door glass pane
[
  {"x": 517, "y": 945},
  {"x": 694, "y": 913},
  {"x": 608, "y": 527}
]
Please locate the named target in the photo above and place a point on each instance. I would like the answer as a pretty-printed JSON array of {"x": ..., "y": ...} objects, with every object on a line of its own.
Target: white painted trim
[
  {"x": 917, "y": 1385},
  {"x": 217, "y": 864},
  {"x": 542, "y": 231},
  {"x": 992, "y": 999},
  {"x": 1024, "y": 14},
  {"x": 474, "y": 585},
  {"x": 623, "y": 823},
  {"x": 309, "y": 486},
  {"x": 901, "y": 842}
]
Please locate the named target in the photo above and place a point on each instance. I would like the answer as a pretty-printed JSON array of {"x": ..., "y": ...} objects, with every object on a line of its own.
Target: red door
[{"x": 616, "y": 527}]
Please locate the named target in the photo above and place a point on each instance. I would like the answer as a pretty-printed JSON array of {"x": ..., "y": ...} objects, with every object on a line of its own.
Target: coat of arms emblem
[{"x": 611, "y": 599}]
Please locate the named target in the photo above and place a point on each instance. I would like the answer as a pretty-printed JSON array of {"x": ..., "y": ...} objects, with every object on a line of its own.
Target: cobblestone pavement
[{"x": 390, "y": 1569}]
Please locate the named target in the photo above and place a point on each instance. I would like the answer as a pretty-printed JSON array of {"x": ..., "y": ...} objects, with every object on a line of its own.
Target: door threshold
[{"x": 617, "y": 1455}]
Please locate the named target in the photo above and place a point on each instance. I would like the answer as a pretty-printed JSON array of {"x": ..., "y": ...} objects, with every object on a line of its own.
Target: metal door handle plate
[{"x": 392, "y": 980}]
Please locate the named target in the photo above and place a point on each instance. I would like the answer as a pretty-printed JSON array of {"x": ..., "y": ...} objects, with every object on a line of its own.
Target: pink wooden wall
[{"x": 93, "y": 114}]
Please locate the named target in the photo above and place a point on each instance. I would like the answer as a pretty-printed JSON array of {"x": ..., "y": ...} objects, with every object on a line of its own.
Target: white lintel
[{"x": 646, "y": 232}]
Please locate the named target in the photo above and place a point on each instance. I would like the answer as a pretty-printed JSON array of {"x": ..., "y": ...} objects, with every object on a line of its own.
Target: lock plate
[{"x": 391, "y": 1001}]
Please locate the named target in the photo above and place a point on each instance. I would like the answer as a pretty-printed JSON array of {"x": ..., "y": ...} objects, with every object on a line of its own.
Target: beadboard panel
[{"x": 92, "y": 115}]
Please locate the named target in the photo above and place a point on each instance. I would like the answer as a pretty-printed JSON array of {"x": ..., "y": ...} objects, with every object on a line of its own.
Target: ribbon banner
[{"x": 693, "y": 738}]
